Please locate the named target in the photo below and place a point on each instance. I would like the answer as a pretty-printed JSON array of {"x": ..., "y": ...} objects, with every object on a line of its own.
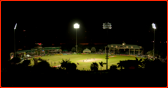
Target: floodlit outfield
[{"x": 86, "y": 65}]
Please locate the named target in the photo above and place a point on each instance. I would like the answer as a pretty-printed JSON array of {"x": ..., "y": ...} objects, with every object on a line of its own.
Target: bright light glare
[
  {"x": 15, "y": 26},
  {"x": 153, "y": 26},
  {"x": 28, "y": 55},
  {"x": 107, "y": 26},
  {"x": 76, "y": 25}
]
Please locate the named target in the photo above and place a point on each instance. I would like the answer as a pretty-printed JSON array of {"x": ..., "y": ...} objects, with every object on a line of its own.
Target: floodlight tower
[
  {"x": 14, "y": 41},
  {"x": 107, "y": 26},
  {"x": 76, "y": 26},
  {"x": 154, "y": 27}
]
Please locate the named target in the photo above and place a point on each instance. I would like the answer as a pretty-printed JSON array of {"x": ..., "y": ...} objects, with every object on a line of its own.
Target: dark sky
[{"x": 52, "y": 22}]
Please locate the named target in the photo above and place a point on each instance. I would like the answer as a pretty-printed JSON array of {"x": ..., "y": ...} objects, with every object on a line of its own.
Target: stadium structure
[{"x": 125, "y": 49}]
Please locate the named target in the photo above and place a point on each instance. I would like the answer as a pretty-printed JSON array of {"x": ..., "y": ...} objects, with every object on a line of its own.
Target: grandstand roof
[{"x": 86, "y": 50}]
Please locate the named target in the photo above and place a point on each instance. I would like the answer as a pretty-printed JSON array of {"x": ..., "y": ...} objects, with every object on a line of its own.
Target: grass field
[{"x": 86, "y": 64}]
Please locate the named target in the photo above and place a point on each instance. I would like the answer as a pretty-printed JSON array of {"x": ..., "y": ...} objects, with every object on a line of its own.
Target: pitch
[{"x": 83, "y": 61}]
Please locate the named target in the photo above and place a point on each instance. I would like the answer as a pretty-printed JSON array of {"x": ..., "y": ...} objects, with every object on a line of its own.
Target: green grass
[{"x": 86, "y": 65}]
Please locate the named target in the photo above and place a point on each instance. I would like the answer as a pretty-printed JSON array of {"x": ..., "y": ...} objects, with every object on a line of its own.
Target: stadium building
[{"x": 125, "y": 49}]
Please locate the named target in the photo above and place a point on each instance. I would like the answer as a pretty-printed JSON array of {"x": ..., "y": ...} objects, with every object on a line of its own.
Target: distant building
[
  {"x": 52, "y": 49},
  {"x": 125, "y": 48},
  {"x": 86, "y": 50}
]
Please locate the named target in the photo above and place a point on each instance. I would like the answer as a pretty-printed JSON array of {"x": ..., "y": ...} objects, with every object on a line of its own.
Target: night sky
[{"x": 52, "y": 23}]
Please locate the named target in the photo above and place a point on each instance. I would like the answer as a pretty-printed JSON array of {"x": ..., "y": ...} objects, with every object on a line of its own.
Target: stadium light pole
[
  {"x": 76, "y": 26},
  {"x": 154, "y": 27},
  {"x": 14, "y": 41},
  {"x": 107, "y": 26}
]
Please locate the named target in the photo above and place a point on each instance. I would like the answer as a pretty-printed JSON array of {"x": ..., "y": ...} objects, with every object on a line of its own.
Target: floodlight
[
  {"x": 76, "y": 25},
  {"x": 15, "y": 26},
  {"x": 153, "y": 26},
  {"x": 107, "y": 26}
]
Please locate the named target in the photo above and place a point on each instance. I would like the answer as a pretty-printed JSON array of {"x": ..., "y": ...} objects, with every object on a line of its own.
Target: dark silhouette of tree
[
  {"x": 71, "y": 67},
  {"x": 43, "y": 75},
  {"x": 79, "y": 49},
  {"x": 66, "y": 64},
  {"x": 101, "y": 64},
  {"x": 93, "y": 49},
  {"x": 73, "y": 49},
  {"x": 130, "y": 64},
  {"x": 15, "y": 60},
  {"x": 146, "y": 63},
  {"x": 94, "y": 66},
  {"x": 26, "y": 63},
  {"x": 113, "y": 67}
]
